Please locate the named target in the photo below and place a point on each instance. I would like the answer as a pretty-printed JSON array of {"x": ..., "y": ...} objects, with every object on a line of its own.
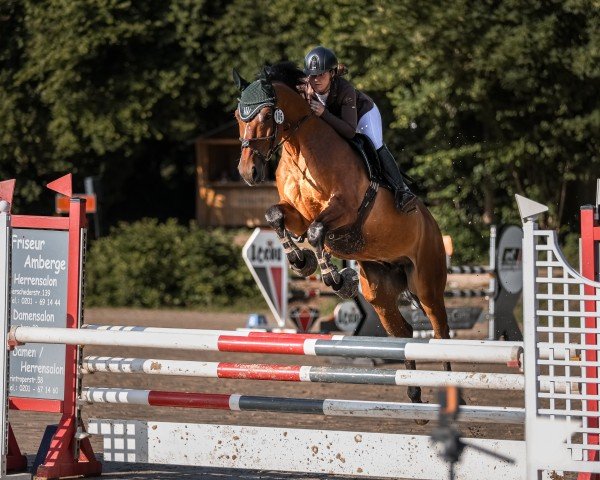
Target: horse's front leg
[
  {"x": 283, "y": 218},
  {"x": 344, "y": 283}
]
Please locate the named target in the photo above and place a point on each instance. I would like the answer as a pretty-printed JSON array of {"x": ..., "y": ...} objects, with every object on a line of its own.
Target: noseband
[{"x": 246, "y": 142}]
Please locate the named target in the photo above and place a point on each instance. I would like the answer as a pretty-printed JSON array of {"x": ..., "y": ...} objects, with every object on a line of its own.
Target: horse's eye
[{"x": 268, "y": 116}]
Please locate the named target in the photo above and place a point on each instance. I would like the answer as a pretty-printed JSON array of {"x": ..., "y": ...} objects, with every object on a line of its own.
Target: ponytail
[{"x": 341, "y": 70}]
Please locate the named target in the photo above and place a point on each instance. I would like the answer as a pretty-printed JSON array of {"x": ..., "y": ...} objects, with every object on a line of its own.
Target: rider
[{"x": 348, "y": 111}]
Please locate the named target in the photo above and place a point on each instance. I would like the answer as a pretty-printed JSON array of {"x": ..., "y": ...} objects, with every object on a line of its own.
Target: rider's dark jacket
[{"x": 344, "y": 106}]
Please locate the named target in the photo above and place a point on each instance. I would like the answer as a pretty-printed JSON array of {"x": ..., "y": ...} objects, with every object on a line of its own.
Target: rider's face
[{"x": 321, "y": 83}]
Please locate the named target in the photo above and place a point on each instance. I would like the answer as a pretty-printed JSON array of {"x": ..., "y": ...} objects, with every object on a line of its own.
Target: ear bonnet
[{"x": 254, "y": 97}]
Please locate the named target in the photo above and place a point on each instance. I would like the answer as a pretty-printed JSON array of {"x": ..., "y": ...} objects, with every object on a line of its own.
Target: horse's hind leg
[
  {"x": 381, "y": 286},
  {"x": 429, "y": 283},
  {"x": 434, "y": 308},
  {"x": 283, "y": 218}
]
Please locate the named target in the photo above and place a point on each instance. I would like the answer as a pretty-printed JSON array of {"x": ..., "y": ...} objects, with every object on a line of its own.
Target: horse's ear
[
  {"x": 265, "y": 84},
  {"x": 240, "y": 83}
]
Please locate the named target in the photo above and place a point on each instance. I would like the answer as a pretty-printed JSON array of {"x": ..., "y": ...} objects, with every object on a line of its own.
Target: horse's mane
[{"x": 285, "y": 72}]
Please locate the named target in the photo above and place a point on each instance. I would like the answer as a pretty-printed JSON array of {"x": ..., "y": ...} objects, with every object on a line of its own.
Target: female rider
[{"x": 348, "y": 111}]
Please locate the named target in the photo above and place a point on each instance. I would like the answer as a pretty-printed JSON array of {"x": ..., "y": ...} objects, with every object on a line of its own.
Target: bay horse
[{"x": 326, "y": 195}]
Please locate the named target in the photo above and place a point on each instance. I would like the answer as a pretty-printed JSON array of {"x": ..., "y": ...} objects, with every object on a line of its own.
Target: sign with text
[
  {"x": 509, "y": 261},
  {"x": 347, "y": 316},
  {"x": 38, "y": 299},
  {"x": 264, "y": 256}
]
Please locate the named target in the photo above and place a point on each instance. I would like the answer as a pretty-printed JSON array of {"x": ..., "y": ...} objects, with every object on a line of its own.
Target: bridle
[{"x": 246, "y": 142}]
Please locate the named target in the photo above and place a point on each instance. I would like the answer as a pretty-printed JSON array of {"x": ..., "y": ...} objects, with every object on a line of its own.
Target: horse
[{"x": 327, "y": 198}]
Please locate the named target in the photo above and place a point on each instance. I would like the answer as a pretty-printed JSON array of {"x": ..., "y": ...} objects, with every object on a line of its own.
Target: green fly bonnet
[
  {"x": 261, "y": 93},
  {"x": 254, "y": 97}
]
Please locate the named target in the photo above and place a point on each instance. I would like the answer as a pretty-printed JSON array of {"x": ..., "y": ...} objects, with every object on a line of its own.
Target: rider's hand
[
  {"x": 317, "y": 107},
  {"x": 308, "y": 91},
  {"x": 302, "y": 88}
]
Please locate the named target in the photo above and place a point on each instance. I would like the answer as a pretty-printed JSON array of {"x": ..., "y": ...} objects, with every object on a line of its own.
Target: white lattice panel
[{"x": 557, "y": 303}]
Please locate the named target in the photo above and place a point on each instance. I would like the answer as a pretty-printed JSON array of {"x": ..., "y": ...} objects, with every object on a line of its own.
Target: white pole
[
  {"x": 5, "y": 312},
  {"x": 72, "y": 336},
  {"x": 493, "y": 285},
  {"x": 431, "y": 352},
  {"x": 559, "y": 352},
  {"x": 530, "y": 337}
]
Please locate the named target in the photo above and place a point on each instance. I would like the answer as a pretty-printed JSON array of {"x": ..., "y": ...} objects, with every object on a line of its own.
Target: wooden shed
[{"x": 223, "y": 199}]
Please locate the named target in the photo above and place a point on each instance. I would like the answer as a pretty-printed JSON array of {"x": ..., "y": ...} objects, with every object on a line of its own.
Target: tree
[
  {"x": 483, "y": 99},
  {"x": 491, "y": 99},
  {"x": 105, "y": 87}
]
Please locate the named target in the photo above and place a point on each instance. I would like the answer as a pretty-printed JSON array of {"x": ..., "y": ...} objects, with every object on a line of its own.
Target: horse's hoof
[
  {"x": 309, "y": 264},
  {"x": 348, "y": 287}
]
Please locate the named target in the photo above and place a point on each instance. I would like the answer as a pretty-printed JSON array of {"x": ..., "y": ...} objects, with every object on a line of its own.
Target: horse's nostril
[{"x": 254, "y": 174}]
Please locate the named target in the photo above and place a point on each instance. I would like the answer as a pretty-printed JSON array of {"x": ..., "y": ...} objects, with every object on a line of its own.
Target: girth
[{"x": 349, "y": 239}]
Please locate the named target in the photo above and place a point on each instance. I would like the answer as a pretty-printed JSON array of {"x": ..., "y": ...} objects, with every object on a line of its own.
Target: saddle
[{"x": 365, "y": 148}]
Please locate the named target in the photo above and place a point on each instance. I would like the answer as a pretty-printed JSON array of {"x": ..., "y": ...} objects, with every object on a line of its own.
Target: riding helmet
[{"x": 319, "y": 60}]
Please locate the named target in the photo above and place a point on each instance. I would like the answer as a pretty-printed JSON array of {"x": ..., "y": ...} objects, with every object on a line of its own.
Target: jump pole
[
  {"x": 311, "y": 374},
  {"x": 545, "y": 350},
  {"x": 311, "y": 406},
  {"x": 389, "y": 348}
]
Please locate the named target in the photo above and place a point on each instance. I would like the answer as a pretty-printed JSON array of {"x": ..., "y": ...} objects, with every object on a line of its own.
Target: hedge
[{"x": 151, "y": 264}]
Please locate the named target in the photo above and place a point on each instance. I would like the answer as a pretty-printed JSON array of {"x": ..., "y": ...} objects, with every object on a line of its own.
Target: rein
[{"x": 246, "y": 142}]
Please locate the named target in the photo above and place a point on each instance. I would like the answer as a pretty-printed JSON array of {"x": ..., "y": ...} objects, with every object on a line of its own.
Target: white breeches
[{"x": 370, "y": 125}]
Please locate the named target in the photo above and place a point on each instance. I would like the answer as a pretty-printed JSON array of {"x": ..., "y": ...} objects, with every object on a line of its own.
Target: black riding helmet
[{"x": 319, "y": 60}]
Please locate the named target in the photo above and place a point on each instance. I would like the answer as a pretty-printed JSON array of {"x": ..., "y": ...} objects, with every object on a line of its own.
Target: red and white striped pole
[
  {"x": 303, "y": 373},
  {"x": 364, "y": 347}
]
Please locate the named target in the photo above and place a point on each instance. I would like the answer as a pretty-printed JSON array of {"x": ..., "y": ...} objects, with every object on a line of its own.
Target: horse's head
[{"x": 262, "y": 119}]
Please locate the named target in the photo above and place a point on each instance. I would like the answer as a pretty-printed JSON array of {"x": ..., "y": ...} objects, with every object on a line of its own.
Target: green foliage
[
  {"x": 149, "y": 264},
  {"x": 492, "y": 99},
  {"x": 570, "y": 249},
  {"x": 482, "y": 99},
  {"x": 248, "y": 35},
  {"x": 92, "y": 86},
  {"x": 471, "y": 240}
]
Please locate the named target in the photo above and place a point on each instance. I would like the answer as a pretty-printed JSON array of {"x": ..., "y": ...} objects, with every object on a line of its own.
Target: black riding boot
[{"x": 404, "y": 198}]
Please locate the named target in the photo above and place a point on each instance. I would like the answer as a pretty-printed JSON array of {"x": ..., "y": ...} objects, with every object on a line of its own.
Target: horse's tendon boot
[{"x": 349, "y": 283}]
